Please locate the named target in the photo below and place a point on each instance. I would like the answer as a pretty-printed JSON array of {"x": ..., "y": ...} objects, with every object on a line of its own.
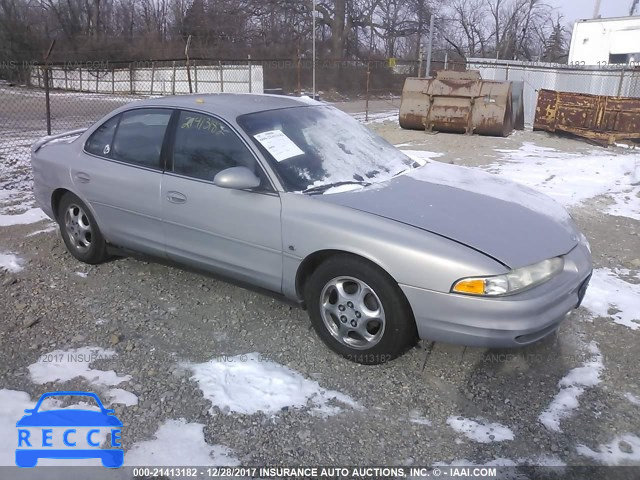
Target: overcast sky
[{"x": 580, "y": 9}]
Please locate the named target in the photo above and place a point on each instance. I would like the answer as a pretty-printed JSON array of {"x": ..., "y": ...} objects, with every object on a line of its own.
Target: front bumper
[{"x": 510, "y": 321}]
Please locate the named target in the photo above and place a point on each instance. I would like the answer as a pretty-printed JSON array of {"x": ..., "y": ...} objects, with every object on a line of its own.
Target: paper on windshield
[{"x": 278, "y": 145}]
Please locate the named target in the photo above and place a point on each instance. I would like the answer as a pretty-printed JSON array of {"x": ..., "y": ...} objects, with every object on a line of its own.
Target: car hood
[{"x": 512, "y": 223}]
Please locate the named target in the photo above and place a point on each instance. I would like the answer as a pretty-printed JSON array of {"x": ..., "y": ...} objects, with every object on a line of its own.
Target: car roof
[{"x": 228, "y": 104}]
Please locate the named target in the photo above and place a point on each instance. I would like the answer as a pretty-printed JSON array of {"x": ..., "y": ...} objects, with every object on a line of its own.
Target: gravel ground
[{"x": 156, "y": 317}]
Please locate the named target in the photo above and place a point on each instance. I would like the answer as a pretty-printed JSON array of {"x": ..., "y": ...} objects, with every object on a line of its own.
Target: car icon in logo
[{"x": 40, "y": 434}]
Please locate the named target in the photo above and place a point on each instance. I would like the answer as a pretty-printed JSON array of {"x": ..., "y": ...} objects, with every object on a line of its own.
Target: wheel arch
[
  {"x": 313, "y": 260},
  {"x": 56, "y": 197}
]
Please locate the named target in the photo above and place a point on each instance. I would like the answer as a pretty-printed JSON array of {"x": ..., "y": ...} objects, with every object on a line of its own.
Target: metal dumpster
[
  {"x": 459, "y": 102},
  {"x": 599, "y": 118},
  {"x": 517, "y": 104}
]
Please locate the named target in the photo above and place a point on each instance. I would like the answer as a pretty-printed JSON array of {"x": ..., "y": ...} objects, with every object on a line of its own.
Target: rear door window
[
  {"x": 100, "y": 141},
  {"x": 140, "y": 135}
]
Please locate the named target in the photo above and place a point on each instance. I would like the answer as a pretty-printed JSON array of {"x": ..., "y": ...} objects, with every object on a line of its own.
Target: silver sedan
[{"x": 293, "y": 196}]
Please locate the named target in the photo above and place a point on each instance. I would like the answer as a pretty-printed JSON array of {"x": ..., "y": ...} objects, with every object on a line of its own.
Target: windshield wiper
[
  {"x": 413, "y": 166},
  {"x": 323, "y": 188}
]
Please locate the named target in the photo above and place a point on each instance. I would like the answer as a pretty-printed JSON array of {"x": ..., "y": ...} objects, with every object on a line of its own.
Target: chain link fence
[{"x": 38, "y": 99}]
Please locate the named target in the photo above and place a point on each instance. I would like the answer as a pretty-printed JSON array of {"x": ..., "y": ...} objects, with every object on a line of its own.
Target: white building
[{"x": 606, "y": 41}]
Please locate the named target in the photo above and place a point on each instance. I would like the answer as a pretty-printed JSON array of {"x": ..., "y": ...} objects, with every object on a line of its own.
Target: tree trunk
[{"x": 337, "y": 29}]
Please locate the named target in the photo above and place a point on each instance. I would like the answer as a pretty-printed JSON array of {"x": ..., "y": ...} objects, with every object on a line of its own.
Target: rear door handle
[
  {"x": 82, "y": 177},
  {"x": 176, "y": 197}
]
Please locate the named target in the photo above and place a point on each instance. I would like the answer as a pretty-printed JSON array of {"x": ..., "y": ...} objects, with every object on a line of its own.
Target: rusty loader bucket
[
  {"x": 458, "y": 102},
  {"x": 598, "y": 118}
]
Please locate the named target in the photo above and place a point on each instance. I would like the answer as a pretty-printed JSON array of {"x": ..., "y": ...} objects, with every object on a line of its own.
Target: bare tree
[{"x": 354, "y": 29}]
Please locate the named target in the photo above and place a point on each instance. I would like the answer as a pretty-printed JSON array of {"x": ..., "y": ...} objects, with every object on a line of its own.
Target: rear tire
[
  {"x": 80, "y": 231},
  {"x": 359, "y": 311}
]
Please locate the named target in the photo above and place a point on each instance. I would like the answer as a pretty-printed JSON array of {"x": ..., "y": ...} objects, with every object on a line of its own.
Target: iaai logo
[{"x": 68, "y": 433}]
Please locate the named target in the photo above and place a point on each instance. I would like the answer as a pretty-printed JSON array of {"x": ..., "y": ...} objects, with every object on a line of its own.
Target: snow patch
[
  {"x": 64, "y": 365},
  {"x": 632, "y": 398},
  {"x": 480, "y": 430},
  {"x": 421, "y": 156},
  {"x": 309, "y": 100},
  {"x": 118, "y": 395},
  {"x": 249, "y": 384},
  {"x": 28, "y": 216},
  {"x": 10, "y": 263},
  {"x": 571, "y": 387},
  {"x": 543, "y": 461},
  {"x": 416, "y": 417},
  {"x": 606, "y": 290},
  {"x": 13, "y": 405},
  {"x": 612, "y": 453},
  {"x": 378, "y": 117},
  {"x": 52, "y": 227},
  {"x": 181, "y": 442},
  {"x": 572, "y": 178}
]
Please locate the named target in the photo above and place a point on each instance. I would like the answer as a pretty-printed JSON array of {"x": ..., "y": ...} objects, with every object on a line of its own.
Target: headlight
[{"x": 511, "y": 282}]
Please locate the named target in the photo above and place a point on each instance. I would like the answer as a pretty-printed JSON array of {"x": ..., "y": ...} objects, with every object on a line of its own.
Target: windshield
[{"x": 316, "y": 146}]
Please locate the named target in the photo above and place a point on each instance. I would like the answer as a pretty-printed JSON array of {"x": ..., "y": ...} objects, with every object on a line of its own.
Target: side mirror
[{"x": 237, "y": 178}]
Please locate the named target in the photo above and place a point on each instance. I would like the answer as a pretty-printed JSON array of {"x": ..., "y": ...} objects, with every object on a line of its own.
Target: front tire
[
  {"x": 80, "y": 231},
  {"x": 359, "y": 311}
]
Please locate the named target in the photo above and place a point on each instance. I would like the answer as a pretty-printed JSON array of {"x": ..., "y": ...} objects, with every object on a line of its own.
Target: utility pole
[
  {"x": 431, "y": 23},
  {"x": 596, "y": 10},
  {"x": 313, "y": 50}
]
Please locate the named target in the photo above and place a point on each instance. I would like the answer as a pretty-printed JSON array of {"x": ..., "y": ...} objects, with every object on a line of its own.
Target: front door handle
[
  {"x": 82, "y": 177},
  {"x": 176, "y": 197}
]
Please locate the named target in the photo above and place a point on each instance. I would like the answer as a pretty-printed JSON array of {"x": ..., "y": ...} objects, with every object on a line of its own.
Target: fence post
[
  {"x": 80, "y": 73},
  {"x": 173, "y": 79},
  {"x": 113, "y": 80},
  {"x": 621, "y": 82},
  {"x": 46, "y": 87},
  {"x": 46, "y": 98},
  {"x": 153, "y": 75},
  {"x": 131, "y": 78},
  {"x": 298, "y": 72},
  {"x": 366, "y": 108},
  {"x": 221, "y": 77},
  {"x": 195, "y": 74},
  {"x": 186, "y": 54},
  {"x": 250, "y": 72},
  {"x": 97, "y": 81},
  {"x": 66, "y": 81}
]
